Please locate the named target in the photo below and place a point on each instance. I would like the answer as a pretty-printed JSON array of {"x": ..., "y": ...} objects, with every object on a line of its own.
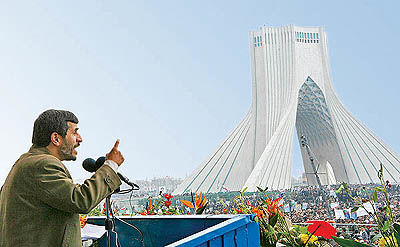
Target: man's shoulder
[
  {"x": 37, "y": 165},
  {"x": 37, "y": 157},
  {"x": 33, "y": 162}
]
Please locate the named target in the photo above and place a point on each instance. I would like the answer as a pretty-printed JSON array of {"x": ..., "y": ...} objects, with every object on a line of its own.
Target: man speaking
[{"x": 39, "y": 202}]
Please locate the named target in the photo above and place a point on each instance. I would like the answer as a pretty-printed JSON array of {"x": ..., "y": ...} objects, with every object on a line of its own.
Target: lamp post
[{"x": 304, "y": 143}]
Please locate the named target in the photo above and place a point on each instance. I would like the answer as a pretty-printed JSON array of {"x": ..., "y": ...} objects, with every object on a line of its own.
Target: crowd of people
[
  {"x": 302, "y": 204},
  {"x": 319, "y": 208}
]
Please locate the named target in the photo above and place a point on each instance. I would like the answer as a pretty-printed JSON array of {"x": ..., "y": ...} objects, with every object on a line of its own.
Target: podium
[{"x": 182, "y": 230}]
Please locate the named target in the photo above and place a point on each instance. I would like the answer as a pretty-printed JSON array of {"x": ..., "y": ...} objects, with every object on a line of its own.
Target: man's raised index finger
[{"x": 116, "y": 144}]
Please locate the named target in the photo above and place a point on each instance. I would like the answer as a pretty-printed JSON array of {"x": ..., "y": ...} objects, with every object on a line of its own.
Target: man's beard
[{"x": 66, "y": 151}]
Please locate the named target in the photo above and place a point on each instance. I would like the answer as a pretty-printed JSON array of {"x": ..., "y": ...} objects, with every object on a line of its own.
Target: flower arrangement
[
  {"x": 198, "y": 203},
  {"x": 275, "y": 228},
  {"x": 159, "y": 206},
  {"x": 389, "y": 230}
]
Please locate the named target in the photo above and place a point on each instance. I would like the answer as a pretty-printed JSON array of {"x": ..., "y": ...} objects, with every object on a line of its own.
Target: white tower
[{"x": 292, "y": 88}]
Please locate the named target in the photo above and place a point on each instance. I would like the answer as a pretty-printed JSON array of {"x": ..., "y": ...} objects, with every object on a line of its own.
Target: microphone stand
[{"x": 109, "y": 223}]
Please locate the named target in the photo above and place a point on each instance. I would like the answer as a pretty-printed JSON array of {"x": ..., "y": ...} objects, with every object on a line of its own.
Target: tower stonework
[{"x": 291, "y": 87}]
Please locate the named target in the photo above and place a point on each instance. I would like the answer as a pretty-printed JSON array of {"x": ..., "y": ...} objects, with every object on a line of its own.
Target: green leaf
[
  {"x": 256, "y": 219},
  {"x": 200, "y": 210},
  {"x": 396, "y": 227},
  {"x": 375, "y": 196},
  {"x": 397, "y": 236},
  {"x": 379, "y": 189},
  {"x": 386, "y": 226},
  {"x": 387, "y": 210},
  {"x": 354, "y": 209},
  {"x": 376, "y": 237},
  {"x": 273, "y": 220},
  {"x": 340, "y": 189},
  {"x": 301, "y": 229},
  {"x": 348, "y": 243},
  {"x": 345, "y": 186},
  {"x": 259, "y": 189}
]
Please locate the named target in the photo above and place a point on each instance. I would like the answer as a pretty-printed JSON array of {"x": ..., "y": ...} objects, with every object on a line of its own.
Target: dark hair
[{"x": 51, "y": 121}]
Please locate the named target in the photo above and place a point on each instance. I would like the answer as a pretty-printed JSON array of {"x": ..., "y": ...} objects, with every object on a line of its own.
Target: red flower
[
  {"x": 321, "y": 228},
  {"x": 257, "y": 211},
  {"x": 168, "y": 197},
  {"x": 167, "y": 203},
  {"x": 274, "y": 207},
  {"x": 239, "y": 211}
]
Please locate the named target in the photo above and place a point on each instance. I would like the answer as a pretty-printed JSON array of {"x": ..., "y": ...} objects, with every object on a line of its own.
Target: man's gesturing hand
[{"x": 115, "y": 155}]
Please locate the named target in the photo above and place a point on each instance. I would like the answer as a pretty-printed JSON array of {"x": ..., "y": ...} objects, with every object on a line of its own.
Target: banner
[
  {"x": 368, "y": 208},
  {"x": 339, "y": 214},
  {"x": 347, "y": 214}
]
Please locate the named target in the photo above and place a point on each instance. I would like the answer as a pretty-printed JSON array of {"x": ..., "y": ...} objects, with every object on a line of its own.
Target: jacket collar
[{"x": 39, "y": 150}]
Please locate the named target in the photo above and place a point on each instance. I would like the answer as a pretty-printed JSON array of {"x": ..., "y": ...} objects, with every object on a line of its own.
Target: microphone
[{"x": 91, "y": 165}]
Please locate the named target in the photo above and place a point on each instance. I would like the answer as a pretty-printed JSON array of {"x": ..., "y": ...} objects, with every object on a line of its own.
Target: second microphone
[{"x": 92, "y": 165}]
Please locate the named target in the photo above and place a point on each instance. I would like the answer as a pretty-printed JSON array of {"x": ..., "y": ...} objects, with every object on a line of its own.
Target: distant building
[
  {"x": 155, "y": 185},
  {"x": 292, "y": 88},
  {"x": 298, "y": 181}
]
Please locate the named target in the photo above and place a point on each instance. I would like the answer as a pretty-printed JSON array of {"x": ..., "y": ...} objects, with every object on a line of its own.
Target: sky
[{"x": 171, "y": 79}]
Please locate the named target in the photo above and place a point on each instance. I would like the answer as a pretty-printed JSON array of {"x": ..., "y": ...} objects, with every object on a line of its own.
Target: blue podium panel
[{"x": 183, "y": 230}]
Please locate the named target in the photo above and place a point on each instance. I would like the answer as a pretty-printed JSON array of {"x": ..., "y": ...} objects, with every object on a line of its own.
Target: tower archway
[{"x": 314, "y": 120}]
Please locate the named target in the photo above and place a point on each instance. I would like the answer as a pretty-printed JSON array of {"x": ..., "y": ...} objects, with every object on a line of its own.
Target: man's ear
[{"x": 55, "y": 139}]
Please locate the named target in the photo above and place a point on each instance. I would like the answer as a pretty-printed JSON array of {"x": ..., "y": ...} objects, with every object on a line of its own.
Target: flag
[
  {"x": 339, "y": 214},
  {"x": 346, "y": 213},
  {"x": 361, "y": 212},
  {"x": 368, "y": 206}
]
